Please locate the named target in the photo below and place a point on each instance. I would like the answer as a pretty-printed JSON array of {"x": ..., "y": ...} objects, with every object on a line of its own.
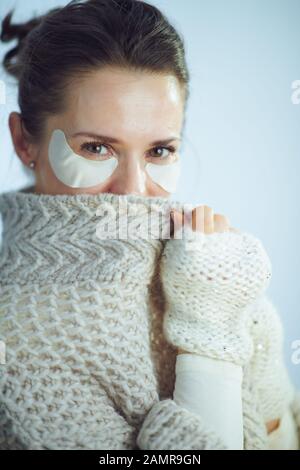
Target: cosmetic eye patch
[
  {"x": 165, "y": 176},
  {"x": 74, "y": 170},
  {"x": 79, "y": 172}
]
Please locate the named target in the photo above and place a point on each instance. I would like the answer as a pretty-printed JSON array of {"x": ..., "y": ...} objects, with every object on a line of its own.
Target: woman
[{"x": 125, "y": 342}]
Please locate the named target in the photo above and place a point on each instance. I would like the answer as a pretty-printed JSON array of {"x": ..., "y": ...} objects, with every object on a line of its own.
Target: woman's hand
[
  {"x": 204, "y": 220},
  {"x": 208, "y": 281}
]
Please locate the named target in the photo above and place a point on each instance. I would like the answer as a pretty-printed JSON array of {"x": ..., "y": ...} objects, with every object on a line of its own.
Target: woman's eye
[
  {"x": 161, "y": 155},
  {"x": 94, "y": 148}
]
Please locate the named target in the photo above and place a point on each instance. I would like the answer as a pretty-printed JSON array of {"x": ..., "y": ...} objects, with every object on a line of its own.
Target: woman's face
[{"x": 141, "y": 115}]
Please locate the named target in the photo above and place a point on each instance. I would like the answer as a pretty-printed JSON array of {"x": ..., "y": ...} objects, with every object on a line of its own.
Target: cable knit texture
[
  {"x": 88, "y": 365},
  {"x": 209, "y": 280},
  {"x": 266, "y": 369}
]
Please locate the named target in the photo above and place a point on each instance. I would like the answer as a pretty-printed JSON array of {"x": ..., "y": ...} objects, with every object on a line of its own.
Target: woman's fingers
[
  {"x": 208, "y": 220},
  {"x": 221, "y": 223},
  {"x": 177, "y": 218},
  {"x": 203, "y": 219},
  {"x": 198, "y": 218}
]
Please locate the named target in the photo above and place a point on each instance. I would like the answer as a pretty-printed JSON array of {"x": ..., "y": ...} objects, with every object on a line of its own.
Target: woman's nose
[{"x": 130, "y": 178}]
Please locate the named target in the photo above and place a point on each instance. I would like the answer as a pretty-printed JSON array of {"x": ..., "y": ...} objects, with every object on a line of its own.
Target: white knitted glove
[
  {"x": 266, "y": 370},
  {"x": 209, "y": 280}
]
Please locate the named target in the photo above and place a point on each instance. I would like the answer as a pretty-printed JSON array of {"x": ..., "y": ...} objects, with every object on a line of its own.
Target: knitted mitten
[
  {"x": 266, "y": 369},
  {"x": 209, "y": 280}
]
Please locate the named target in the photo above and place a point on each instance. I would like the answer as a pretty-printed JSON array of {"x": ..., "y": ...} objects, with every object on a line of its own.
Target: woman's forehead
[{"x": 143, "y": 106}]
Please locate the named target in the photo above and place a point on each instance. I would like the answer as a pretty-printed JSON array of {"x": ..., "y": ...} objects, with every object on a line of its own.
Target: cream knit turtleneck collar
[{"x": 60, "y": 237}]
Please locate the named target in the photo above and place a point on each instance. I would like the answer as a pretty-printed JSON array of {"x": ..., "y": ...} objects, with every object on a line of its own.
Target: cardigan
[{"x": 87, "y": 365}]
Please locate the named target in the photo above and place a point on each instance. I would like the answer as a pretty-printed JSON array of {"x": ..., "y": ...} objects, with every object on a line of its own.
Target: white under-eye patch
[
  {"x": 74, "y": 170},
  {"x": 165, "y": 176},
  {"x": 79, "y": 172}
]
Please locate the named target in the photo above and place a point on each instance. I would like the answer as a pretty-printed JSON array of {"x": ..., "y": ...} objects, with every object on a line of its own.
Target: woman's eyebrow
[{"x": 113, "y": 140}]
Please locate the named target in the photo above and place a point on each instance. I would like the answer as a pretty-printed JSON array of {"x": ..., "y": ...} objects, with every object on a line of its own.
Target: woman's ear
[{"x": 21, "y": 139}]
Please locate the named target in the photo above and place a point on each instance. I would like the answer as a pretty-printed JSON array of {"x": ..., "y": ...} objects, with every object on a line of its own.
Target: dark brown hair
[{"x": 83, "y": 36}]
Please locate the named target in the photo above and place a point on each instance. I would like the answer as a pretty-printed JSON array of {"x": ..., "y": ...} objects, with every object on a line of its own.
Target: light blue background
[{"x": 242, "y": 139}]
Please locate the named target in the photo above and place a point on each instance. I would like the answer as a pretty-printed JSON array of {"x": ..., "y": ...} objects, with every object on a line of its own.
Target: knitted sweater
[{"x": 87, "y": 365}]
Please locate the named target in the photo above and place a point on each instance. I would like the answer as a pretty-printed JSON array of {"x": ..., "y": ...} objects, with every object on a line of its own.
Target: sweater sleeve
[
  {"x": 169, "y": 426},
  {"x": 269, "y": 376},
  {"x": 295, "y": 407},
  {"x": 285, "y": 437},
  {"x": 212, "y": 388}
]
